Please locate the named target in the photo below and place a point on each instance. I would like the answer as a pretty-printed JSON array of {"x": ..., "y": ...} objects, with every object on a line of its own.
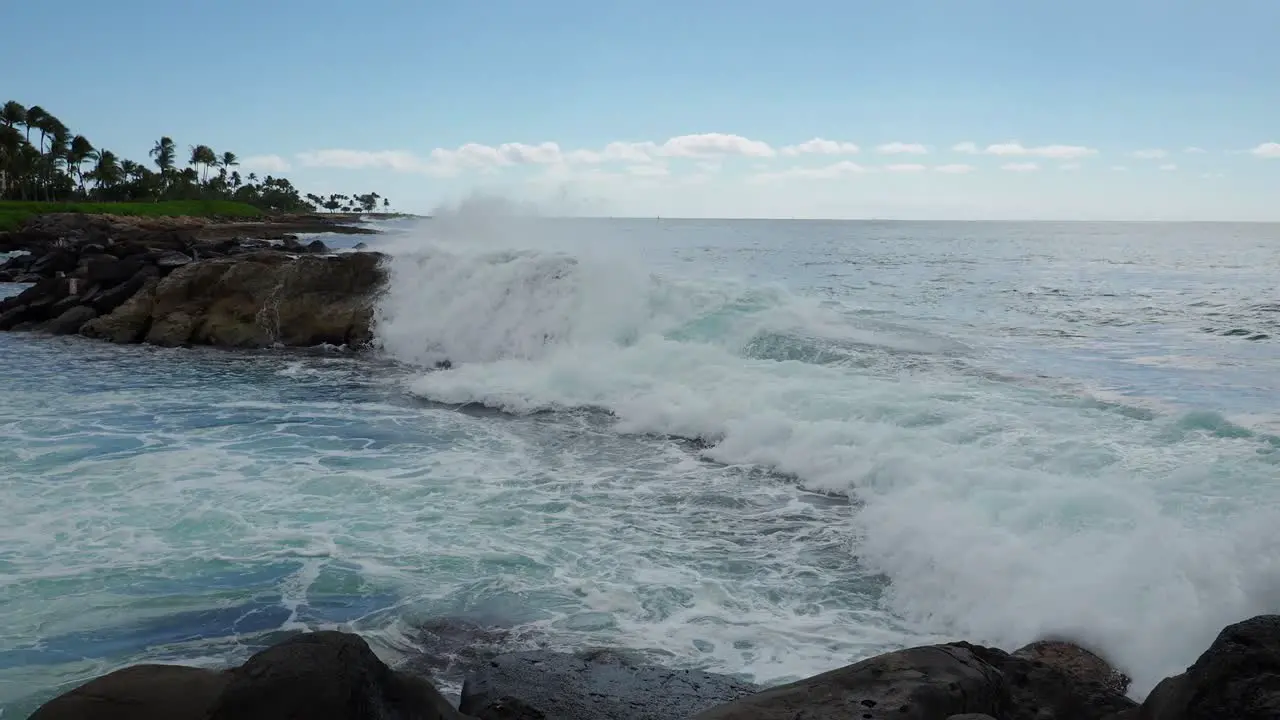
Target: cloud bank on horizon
[{"x": 735, "y": 161}]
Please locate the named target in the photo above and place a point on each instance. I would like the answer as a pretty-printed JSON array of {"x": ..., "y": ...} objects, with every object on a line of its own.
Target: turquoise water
[{"x": 766, "y": 448}]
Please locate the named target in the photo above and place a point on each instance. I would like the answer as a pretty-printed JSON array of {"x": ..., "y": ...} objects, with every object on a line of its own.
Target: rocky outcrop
[
  {"x": 265, "y": 299},
  {"x": 591, "y": 685},
  {"x": 166, "y": 287},
  {"x": 335, "y": 675},
  {"x": 77, "y": 229},
  {"x": 318, "y": 676},
  {"x": 1238, "y": 677}
]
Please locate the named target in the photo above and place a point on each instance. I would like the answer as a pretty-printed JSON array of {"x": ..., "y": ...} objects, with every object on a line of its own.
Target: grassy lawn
[{"x": 13, "y": 212}]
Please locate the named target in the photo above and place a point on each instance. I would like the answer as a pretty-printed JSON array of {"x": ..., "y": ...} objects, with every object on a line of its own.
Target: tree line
[{"x": 40, "y": 159}]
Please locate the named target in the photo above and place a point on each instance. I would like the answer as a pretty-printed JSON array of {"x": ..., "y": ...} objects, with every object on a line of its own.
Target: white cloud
[
  {"x": 1151, "y": 154},
  {"x": 1020, "y": 167},
  {"x": 905, "y": 168},
  {"x": 1168, "y": 167},
  {"x": 1057, "y": 152},
  {"x": 954, "y": 169},
  {"x": 714, "y": 144},
  {"x": 1013, "y": 148},
  {"x": 398, "y": 160},
  {"x": 266, "y": 163},
  {"x": 709, "y": 166},
  {"x": 616, "y": 151},
  {"x": 841, "y": 169},
  {"x": 901, "y": 148},
  {"x": 1266, "y": 150},
  {"x": 819, "y": 146},
  {"x": 1070, "y": 167},
  {"x": 1193, "y": 150}
]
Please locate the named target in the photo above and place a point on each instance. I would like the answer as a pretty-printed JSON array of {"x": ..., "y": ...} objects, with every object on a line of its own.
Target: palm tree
[
  {"x": 165, "y": 154},
  {"x": 80, "y": 152},
  {"x": 107, "y": 173},
  {"x": 229, "y": 160},
  {"x": 35, "y": 116},
  {"x": 13, "y": 113},
  {"x": 11, "y": 143},
  {"x": 203, "y": 156}
]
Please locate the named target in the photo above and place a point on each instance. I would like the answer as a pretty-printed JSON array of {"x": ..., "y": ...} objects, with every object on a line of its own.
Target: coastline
[{"x": 333, "y": 674}]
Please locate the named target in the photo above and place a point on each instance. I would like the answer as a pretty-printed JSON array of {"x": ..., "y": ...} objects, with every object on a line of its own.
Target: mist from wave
[{"x": 998, "y": 511}]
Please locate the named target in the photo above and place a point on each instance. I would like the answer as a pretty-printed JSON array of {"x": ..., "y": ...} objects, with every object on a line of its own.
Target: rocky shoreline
[
  {"x": 189, "y": 281},
  {"x": 330, "y": 675}
]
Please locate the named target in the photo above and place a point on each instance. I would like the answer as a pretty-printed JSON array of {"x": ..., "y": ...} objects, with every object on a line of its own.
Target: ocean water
[{"x": 762, "y": 448}]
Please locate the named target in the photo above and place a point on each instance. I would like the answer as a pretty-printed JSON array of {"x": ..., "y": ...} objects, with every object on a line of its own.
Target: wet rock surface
[
  {"x": 336, "y": 675},
  {"x": 591, "y": 685},
  {"x": 167, "y": 282}
]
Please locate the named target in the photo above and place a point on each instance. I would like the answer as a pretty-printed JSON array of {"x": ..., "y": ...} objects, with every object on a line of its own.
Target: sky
[{"x": 945, "y": 109}]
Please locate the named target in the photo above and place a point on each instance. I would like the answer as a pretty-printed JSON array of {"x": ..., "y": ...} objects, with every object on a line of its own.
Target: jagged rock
[
  {"x": 592, "y": 685},
  {"x": 70, "y": 321},
  {"x": 1077, "y": 662},
  {"x": 266, "y": 298},
  {"x": 318, "y": 676},
  {"x": 55, "y": 261},
  {"x": 922, "y": 683},
  {"x": 104, "y": 300},
  {"x": 12, "y": 317},
  {"x": 110, "y": 271},
  {"x": 326, "y": 676},
  {"x": 1238, "y": 677},
  {"x": 171, "y": 259},
  {"x": 129, "y": 322},
  {"x": 317, "y": 246}
]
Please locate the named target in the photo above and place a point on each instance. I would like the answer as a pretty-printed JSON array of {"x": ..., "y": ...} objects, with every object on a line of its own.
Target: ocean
[{"x": 764, "y": 448}]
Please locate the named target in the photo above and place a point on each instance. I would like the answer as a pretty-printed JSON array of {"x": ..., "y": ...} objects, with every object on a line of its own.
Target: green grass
[{"x": 13, "y": 212}]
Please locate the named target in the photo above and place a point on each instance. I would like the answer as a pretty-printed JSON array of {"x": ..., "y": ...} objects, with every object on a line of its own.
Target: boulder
[
  {"x": 266, "y": 298},
  {"x": 922, "y": 683},
  {"x": 70, "y": 321},
  {"x": 318, "y": 676},
  {"x": 111, "y": 271},
  {"x": 1082, "y": 665},
  {"x": 171, "y": 259},
  {"x": 317, "y": 246},
  {"x": 591, "y": 685},
  {"x": 1238, "y": 677},
  {"x": 129, "y": 322},
  {"x": 326, "y": 676},
  {"x": 141, "y": 692}
]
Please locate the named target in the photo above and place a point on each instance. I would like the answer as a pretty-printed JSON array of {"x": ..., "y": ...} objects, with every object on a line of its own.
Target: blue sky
[{"x": 993, "y": 109}]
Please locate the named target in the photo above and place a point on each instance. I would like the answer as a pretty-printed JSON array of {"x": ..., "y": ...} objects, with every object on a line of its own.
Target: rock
[
  {"x": 70, "y": 322},
  {"x": 55, "y": 261},
  {"x": 12, "y": 317},
  {"x": 1081, "y": 664},
  {"x": 63, "y": 305},
  {"x": 110, "y": 271},
  {"x": 129, "y": 322},
  {"x": 27, "y": 279},
  {"x": 317, "y": 246},
  {"x": 266, "y": 298},
  {"x": 171, "y": 259},
  {"x": 6, "y": 277},
  {"x": 141, "y": 692},
  {"x": 1238, "y": 677},
  {"x": 922, "y": 683},
  {"x": 318, "y": 676},
  {"x": 1057, "y": 690},
  {"x": 971, "y": 716},
  {"x": 362, "y": 246},
  {"x": 326, "y": 676},
  {"x": 591, "y": 685},
  {"x": 104, "y": 300}
]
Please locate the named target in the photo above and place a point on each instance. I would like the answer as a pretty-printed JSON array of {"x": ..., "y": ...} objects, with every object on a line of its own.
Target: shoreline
[{"x": 335, "y": 674}]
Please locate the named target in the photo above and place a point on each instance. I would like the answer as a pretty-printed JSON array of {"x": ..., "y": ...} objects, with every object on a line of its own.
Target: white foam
[{"x": 999, "y": 513}]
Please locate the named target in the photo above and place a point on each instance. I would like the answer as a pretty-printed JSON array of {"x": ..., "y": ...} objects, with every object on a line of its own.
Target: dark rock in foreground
[
  {"x": 1238, "y": 677},
  {"x": 591, "y": 685},
  {"x": 332, "y": 676},
  {"x": 317, "y": 676}
]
